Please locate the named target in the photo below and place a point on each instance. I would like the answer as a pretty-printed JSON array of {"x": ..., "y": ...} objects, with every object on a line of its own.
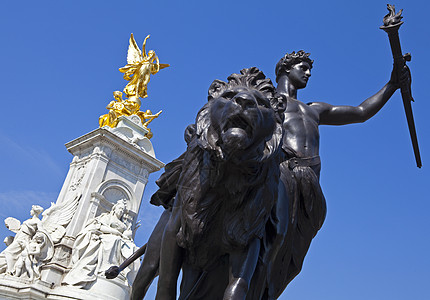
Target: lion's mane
[{"x": 226, "y": 197}]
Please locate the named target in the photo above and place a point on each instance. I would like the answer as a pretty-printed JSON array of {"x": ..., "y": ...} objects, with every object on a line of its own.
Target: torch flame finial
[{"x": 392, "y": 18}]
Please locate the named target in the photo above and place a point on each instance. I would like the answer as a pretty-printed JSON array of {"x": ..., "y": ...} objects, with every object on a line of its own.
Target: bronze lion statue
[{"x": 218, "y": 195}]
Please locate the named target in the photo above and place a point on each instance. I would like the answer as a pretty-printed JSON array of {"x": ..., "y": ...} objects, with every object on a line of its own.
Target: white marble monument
[{"x": 90, "y": 227}]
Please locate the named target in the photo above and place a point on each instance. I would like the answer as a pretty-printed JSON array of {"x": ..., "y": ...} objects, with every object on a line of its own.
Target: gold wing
[{"x": 134, "y": 55}]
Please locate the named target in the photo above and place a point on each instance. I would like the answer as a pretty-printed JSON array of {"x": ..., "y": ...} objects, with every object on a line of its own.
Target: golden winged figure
[{"x": 140, "y": 66}]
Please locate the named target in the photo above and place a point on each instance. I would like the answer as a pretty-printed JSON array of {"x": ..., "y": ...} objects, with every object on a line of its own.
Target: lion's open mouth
[
  {"x": 239, "y": 122},
  {"x": 236, "y": 132}
]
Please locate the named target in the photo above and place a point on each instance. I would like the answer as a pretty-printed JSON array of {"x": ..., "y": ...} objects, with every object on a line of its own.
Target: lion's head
[{"x": 240, "y": 116}]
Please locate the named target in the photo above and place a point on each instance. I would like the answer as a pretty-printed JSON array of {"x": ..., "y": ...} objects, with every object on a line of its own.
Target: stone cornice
[{"x": 102, "y": 135}]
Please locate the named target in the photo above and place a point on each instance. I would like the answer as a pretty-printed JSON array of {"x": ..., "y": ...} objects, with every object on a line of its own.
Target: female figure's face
[
  {"x": 35, "y": 210},
  {"x": 119, "y": 210}
]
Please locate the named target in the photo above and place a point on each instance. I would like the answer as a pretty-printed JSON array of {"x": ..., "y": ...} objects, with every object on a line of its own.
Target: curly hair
[
  {"x": 251, "y": 78},
  {"x": 291, "y": 59}
]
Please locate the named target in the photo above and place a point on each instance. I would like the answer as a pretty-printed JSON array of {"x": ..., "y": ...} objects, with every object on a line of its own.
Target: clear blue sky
[{"x": 59, "y": 67}]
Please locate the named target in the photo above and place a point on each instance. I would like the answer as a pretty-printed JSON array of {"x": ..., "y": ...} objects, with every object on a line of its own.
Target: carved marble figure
[
  {"x": 24, "y": 234},
  {"x": 104, "y": 241},
  {"x": 34, "y": 241},
  {"x": 37, "y": 251}
]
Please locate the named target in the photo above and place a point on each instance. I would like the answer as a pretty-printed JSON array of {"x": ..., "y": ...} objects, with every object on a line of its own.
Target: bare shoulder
[
  {"x": 320, "y": 107},
  {"x": 337, "y": 114}
]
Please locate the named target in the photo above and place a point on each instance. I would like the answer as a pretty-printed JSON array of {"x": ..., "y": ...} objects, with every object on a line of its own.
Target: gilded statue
[
  {"x": 116, "y": 108},
  {"x": 140, "y": 66}
]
